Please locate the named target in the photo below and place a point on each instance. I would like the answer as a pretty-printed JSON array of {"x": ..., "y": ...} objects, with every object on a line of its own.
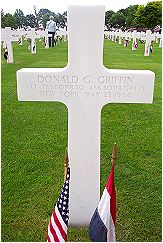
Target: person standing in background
[{"x": 51, "y": 27}]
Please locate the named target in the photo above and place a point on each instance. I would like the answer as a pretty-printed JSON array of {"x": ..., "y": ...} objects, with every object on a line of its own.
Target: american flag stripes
[{"x": 57, "y": 229}]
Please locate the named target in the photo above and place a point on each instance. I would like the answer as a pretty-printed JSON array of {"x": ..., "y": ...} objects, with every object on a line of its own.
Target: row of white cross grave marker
[
  {"x": 85, "y": 85},
  {"x": 147, "y": 37},
  {"x": 8, "y": 36}
]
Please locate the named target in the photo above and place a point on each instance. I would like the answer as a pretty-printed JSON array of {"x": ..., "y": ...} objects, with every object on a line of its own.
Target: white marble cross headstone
[
  {"x": 148, "y": 42},
  {"x": 3, "y": 34},
  {"x": 32, "y": 35},
  {"x": 64, "y": 33},
  {"x": 61, "y": 33},
  {"x": 142, "y": 36},
  {"x": 156, "y": 37},
  {"x": 46, "y": 39},
  {"x": 113, "y": 35},
  {"x": 85, "y": 85},
  {"x": 46, "y": 35},
  {"x": 116, "y": 35},
  {"x": 134, "y": 40},
  {"x": 160, "y": 44},
  {"x": 120, "y": 36},
  {"x": 126, "y": 37},
  {"x": 7, "y": 38},
  {"x": 20, "y": 33}
]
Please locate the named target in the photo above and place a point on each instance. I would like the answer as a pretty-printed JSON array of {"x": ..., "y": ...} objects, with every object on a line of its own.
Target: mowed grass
[{"x": 34, "y": 138}]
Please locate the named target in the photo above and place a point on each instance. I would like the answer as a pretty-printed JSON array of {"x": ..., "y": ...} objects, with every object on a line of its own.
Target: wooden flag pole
[
  {"x": 66, "y": 160},
  {"x": 114, "y": 154}
]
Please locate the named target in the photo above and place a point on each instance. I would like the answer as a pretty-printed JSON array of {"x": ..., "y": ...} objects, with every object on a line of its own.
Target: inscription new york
[{"x": 89, "y": 87}]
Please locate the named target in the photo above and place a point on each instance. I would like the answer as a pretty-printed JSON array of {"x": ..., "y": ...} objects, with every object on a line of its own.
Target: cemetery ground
[{"x": 34, "y": 138}]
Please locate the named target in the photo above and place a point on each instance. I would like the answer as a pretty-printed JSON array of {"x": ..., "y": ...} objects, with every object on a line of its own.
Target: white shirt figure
[{"x": 51, "y": 27}]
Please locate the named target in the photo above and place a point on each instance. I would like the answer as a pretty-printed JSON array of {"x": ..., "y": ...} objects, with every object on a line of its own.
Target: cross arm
[
  {"x": 9, "y": 38},
  {"x": 127, "y": 86},
  {"x": 43, "y": 84},
  {"x": 3, "y": 38},
  {"x": 28, "y": 36}
]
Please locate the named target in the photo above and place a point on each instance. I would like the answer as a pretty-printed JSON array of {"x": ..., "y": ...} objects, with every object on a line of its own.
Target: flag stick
[
  {"x": 114, "y": 154},
  {"x": 66, "y": 160}
]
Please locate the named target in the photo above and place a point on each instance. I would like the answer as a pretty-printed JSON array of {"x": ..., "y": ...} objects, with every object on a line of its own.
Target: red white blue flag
[
  {"x": 102, "y": 225},
  {"x": 57, "y": 229}
]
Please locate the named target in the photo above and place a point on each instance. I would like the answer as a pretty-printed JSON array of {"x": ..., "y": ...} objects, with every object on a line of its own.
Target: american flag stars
[
  {"x": 57, "y": 229},
  {"x": 63, "y": 200}
]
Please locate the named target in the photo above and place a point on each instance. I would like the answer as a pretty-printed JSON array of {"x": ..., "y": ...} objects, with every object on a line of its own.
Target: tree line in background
[
  {"x": 135, "y": 16},
  {"x": 36, "y": 20}
]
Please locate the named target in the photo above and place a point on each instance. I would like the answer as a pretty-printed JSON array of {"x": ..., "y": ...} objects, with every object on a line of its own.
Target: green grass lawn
[{"x": 34, "y": 138}]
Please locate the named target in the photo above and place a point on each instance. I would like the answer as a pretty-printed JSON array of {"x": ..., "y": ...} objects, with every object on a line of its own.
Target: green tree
[
  {"x": 130, "y": 15},
  {"x": 9, "y": 20},
  {"x": 108, "y": 16},
  {"x": 45, "y": 19},
  {"x": 36, "y": 16},
  {"x": 31, "y": 20},
  {"x": 118, "y": 20},
  {"x": 61, "y": 19},
  {"x": 43, "y": 16},
  {"x": 153, "y": 14},
  {"x": 139, "y": 19},
  {"x": 2, "y": 19},
  {"x": 149, "y": 16},
  {"x": 19, "y": 18}
]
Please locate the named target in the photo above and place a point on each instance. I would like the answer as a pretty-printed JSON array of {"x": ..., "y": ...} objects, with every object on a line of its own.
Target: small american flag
[{"x": 57, "y": 229}]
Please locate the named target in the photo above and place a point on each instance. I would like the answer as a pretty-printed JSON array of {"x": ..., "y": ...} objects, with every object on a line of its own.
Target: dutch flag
[{"x": 102, "y": 225}]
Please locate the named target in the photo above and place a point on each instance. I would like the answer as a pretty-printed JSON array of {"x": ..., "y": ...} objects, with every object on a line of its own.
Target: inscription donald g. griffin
[{"x": 87, "y": 86}]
